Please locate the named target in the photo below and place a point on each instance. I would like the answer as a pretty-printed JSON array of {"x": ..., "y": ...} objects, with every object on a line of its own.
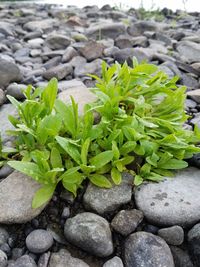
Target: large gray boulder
[
  {"x": 91, "y": 233},
  {"x": 174, "y": 201},
  {"x": 189, "y": 51},
  {"x": 148, "y": 250},
  {"x": 16, "y": 194}
]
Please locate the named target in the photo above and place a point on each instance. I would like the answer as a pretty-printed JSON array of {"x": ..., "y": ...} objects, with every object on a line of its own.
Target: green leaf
[
  {"x": 70, "y": 148},
  {"x": 138, "y": 180},
  {"x": 29, "y": 168},
  {"x": 84, "y": 151},
  {"x": 101, "y": 159},
  {"x": 127, "y": 147},
  {"x": 173, "y": 164},
  {"x": 43, "y": 195},
  {"x": 49, "y": 94},
  {"x": 55, "y": 158},
  {"x": 116, "y": 153},
  {"x": 100, "y": 180},
  {"x": 116, "y": 176}
]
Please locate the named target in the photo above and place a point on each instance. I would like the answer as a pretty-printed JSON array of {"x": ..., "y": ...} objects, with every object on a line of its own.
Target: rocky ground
[{"x": 156, "y": 225}]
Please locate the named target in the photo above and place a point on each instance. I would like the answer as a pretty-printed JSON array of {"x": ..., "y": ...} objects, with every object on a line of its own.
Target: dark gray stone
[
  {"x": 93, "y": 67},
  {"x": 39, "y": 241},
  {"x": 194, "y": 243},
  {"x": 16, "y": 90},
  {"x": 108, "y": 200},
  {"x": 189, "y": 51},
  {"x": 174, "y": 201},
  {"x": 127, "y": 54},
  {"x": 91, "y": 233},
  {"x": 145, "y": 249},
  {"x": 64, "y": 259},
  {"x": 58, "y": 41},
  {"x": 3, "y": 236},
  {"x": 181, "y": 257},
  {"x": 138, "y": 28},
  {"x": 9, "y": 72},
  {"x": 59, "y": 72},
  {"x": 126, "y": 221},
  {"x": 173, "y": 235},
  {"x": 92, "y": 50}
]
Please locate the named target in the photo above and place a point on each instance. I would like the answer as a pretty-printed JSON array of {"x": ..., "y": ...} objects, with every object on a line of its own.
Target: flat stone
[
  {"x": 7, "y": 28},
  {"x": 9, "y": 72},
  {"x": 89, "y": 232},
  {"x": 114, "y": 262},
  {"x": 94, "y": 67},
  {"x": 145, "y": 249},
  {"x": 127, "y": 54},
  {"x": 15, "y": 201},
  {"x": 59, "y": 72},
  {"x": 63, "y": 258},
  {"x": 195, "y": 95},
  {"x": 126, "y": 221},
  {"x": 174, "y": 201},
  {"x": 92, "y": 50},
  {"x": 58, "y": 41},
  {"x": 189, "y": 51},
  {"x": 81, "y": 94},
  {"x": 173, "y": 235},
  {"x": 38, "y": 25},
  {"x": 139, "y": 27},
  {"x": 103, "y": 200},
  {"x": 70, "y": 52},
  {"x": 103, "y": 30},
  {"x": 16, "y": 90}
]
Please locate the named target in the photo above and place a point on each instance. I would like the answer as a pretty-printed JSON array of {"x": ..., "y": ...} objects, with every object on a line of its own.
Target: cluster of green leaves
[{"x": 136, "y": 125}]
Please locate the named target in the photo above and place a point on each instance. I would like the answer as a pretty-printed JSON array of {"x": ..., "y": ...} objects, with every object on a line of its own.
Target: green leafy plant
[{"x": 136, "y": 125}]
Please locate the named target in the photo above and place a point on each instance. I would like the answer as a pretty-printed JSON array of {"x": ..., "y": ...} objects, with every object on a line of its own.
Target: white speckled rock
[
  {"x": 114, "y": 262},
  {"x": 174, "y": 201},
  {"x": 16, "y": 194}
]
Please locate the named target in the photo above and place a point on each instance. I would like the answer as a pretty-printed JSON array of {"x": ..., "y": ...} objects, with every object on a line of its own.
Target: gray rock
[
  {"x": 17, "y": 253},
  {"x": 127, "y": 54},
  {"x": 40, "y": 25},
  {"x": 93, "y": 67},
  {"x": 44, "y": 260},
  {"x": 103, "y": 30},
  {"x": 7, "y": 28},
  {"x": 138, "y": 28},
  {"x": 3, "y": 259},
  {"x": 35, "y": 43},
  {"x": 33, "y": 35},
  {"x": 3, "y": 236},
  {"x": 174, "y": 201},
  {"x": 110, "y": 51},
  {"x": 58, "y": 41},
  {"x": 114, "y": 262},
  {"x": 63, "y": 258},
  {"x": 39, "y": 241},
  {"x": 194, "y": 243},
  {"x": 92, "y": 50},
  {"x": 103, "y": 200},
  {"x": 16, "y": 90},
  {"x": 195, "y": 95},
  {"x": 15, "y": 202},
  {"x": 139, "y": 41},
  {"x": 52, "y": 62},
  {"x": 126, "y": 221},
  {"x": 81, "y": 94},
  {"x": 173, "y": 235},
  {"x": 78, "y": 61},
  {"x": 145, "y": 249},
  {"x": 5, "y": 125},
  {"x": 9, "y": 72},
  {"x": 22, "y": 52},
  {"x": 59, "y": 72},
  {"x": 189, "y": 51},
  {"x": 181, "y": 257},
  {"x": 24, "y": 261},
  {"x": 2, "y": 97},
  {"x": 189, "y": 81},
  {"x": 91, "y": 233},
  {"x": 70, "y": 52},
  {"x": 123, "y": 41},
  {"x": 196, "y": 66},
  {"x": 189, "y": 103}
]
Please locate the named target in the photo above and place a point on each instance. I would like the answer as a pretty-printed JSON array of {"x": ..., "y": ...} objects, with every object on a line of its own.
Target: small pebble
[{"x": 39, "y": 241}]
